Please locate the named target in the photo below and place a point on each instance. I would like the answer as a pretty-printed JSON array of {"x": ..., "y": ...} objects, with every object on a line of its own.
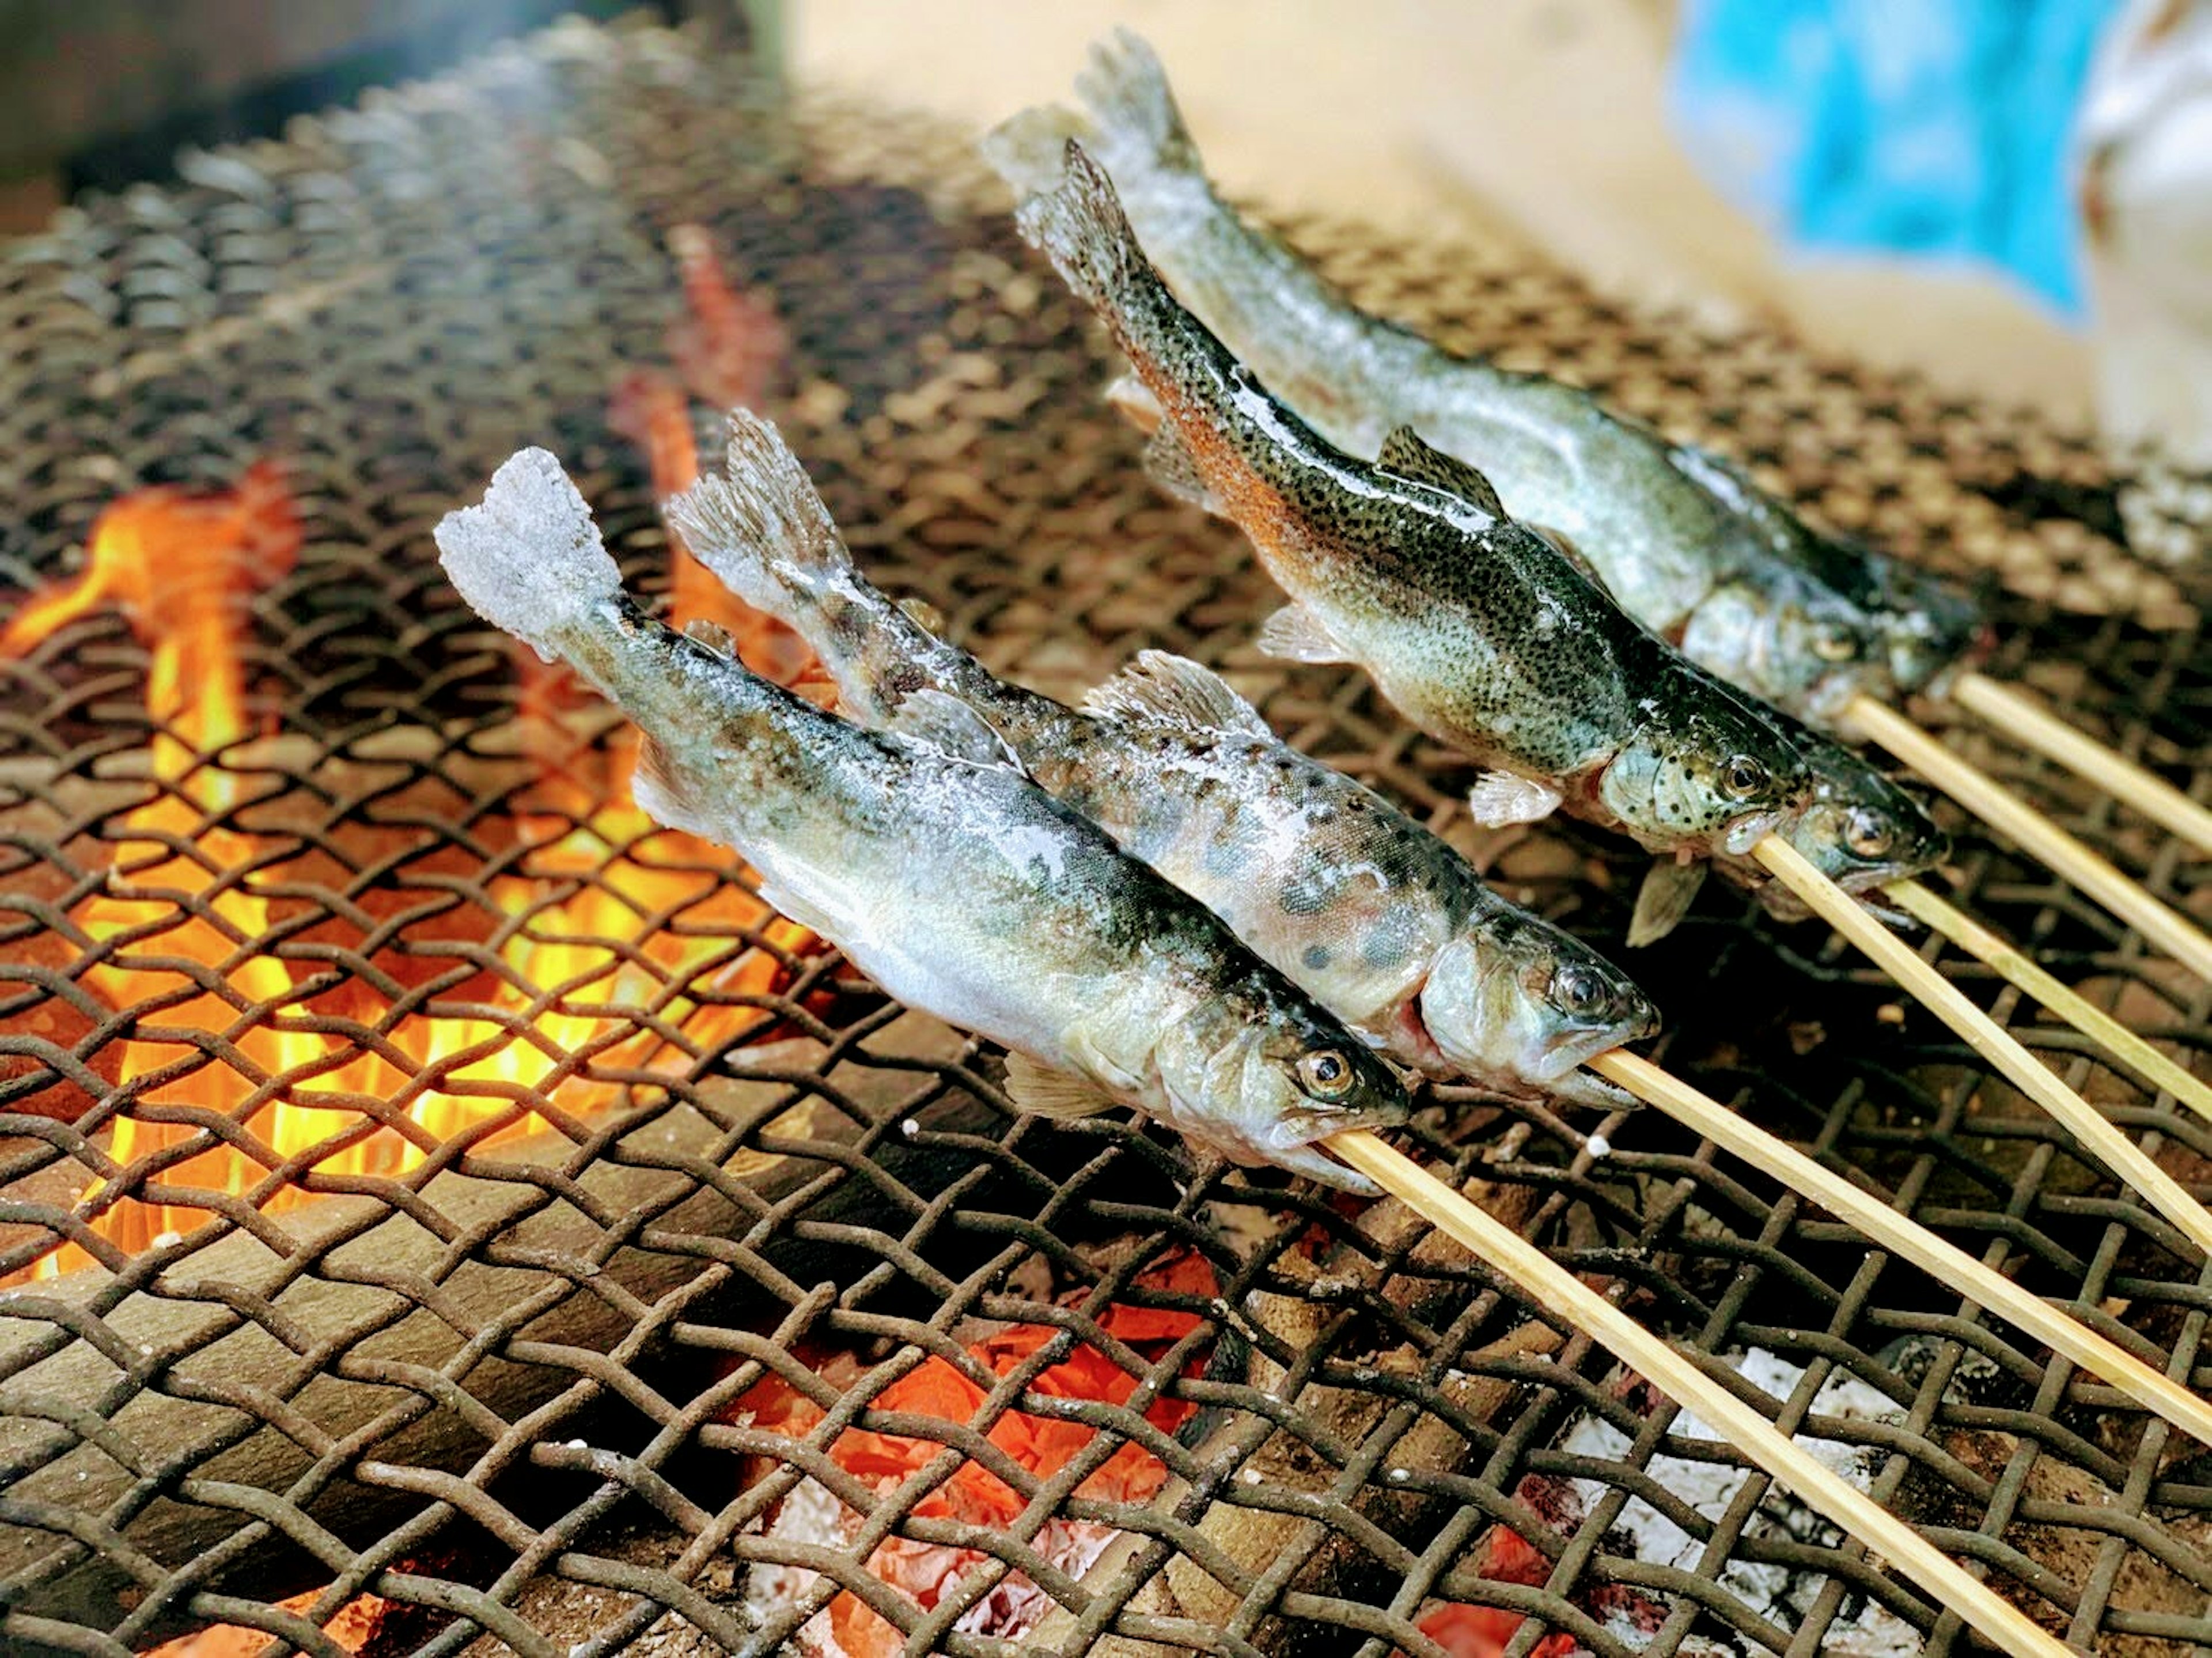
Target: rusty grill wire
[{"x": 495, "y": 1388}]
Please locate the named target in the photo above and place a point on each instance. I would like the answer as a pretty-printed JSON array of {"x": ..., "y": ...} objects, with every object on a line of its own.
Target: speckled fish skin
[
  {"x": 1378, "y": 919},
  {"x": 962, "y": 889},
  {"x": 1688, "y": 547},
  {"x": 1477, "y": 630}
]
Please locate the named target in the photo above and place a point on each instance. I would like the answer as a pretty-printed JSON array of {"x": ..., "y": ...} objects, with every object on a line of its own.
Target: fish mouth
[
  {"x": 1302, "y": 1128},
  {"x": 1316, "y": 1164},
  {"x": 1565, "y": 1079},
  {"x": 1746, "y": 832}
]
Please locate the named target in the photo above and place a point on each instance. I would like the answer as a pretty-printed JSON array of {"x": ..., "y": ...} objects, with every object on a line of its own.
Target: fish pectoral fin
[
  {"x": 950, "y": 725},
  {"x": 1498, "y": 798},
  {"x": 1136, "y": 402},
  {"x": 1158, "y": 687},
  {"x": 1045, "y": 1092},
  {"x": 1296, "y": 634},
  {"x": 923, "y": 614},
  {"x": 1170, "y": 463},
  {"x": 1411, "y": 455},
  {"x": 1664, "y": 899}
]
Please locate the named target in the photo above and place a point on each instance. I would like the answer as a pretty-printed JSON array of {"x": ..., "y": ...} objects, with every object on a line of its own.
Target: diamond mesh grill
[{"x": 520, "y": 1378}]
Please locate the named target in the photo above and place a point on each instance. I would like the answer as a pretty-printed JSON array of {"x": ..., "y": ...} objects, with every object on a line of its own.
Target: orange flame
[
  {"x": 184, "y": 927},
  {"x": 730, "y": 345}
]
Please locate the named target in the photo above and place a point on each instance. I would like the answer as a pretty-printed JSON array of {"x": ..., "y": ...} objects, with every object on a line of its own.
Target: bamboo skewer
[
  {"x": 2027, "y": 721},
  {"x": 2115, "y": 1150},
  {"x": 1902, "y": 1235},
  {"x": 1561, "y": 1294},
  {"x": 2018, "y": 968},
  {"x": 2006, "y": 812}
]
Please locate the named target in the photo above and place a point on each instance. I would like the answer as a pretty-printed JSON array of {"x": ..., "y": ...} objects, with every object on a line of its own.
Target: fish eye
[
  {"x": 1743, "y": 776},
  {"x": 1326, "y": 1074},
  {"x": 1578, "y": 989},
  {"x": 1867, "y": 833},
  {"x": 1836, "y": 643}
]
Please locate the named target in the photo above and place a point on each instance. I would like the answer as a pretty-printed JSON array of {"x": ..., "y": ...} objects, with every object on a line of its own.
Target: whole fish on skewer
[
  {"x": 962, "y": 889},
  {"x": 1378, "y": 919},
  {"x": 1478, "y": 630},
  {"x": 1687, "y": 544}
]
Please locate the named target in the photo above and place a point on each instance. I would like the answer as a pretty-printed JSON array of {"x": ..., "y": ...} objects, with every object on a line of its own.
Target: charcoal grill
[{"x": 500, "y": 1383}]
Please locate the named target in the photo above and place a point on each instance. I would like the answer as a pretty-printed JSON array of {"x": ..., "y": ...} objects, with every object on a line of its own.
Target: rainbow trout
[
  {"x": 1480, "y": 632},
  {"x": 1372, "y": 915},
  {"x": 1690, "y": 547},
  {"x": 962, "y": 889}
]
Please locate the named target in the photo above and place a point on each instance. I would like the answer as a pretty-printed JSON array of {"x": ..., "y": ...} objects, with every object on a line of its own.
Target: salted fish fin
[
  {"x": 950, "y": 725},
  {"x": 1498, "y": 798},
  {"x": 1164, "y": 689},
  {"x": 1169, "y": 463},
  {"x": 1664, "y": 899},
  {"x": 1136, "y": 402},
  {"x": 1045, "y": 1092},
  {"x": 1296, "y": 634},
  {"x": 1563, "y": 545},
  {"x": 1405, "y": 453},
  {"x": 663, "y": 793},
  {"x": 923, "y": 614}
]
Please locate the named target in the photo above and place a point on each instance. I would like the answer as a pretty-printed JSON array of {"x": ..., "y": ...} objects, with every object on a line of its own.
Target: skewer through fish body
[
  {"x": 1481, "y": 632},
  {"x": 1378, "y": 919},
  {"x": 962, "y": 888}
]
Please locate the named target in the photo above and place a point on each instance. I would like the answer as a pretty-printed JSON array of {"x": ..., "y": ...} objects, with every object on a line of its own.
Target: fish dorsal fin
[
  {"x": 1498, "y": 798},
  {"x": 950, "y": 725},
  {"x": 1562, "y": 544},
  {"x": 1296, "y": 634},
  {"x": 1045, "y": 1092},
  {"x": 923, "y": 614},
  {"x": 1405, "y": 453},
  {"x": 1174, "y": 691},
  {"x": 1664, "y": 899},
  {"x": 1169, "y": 463}
]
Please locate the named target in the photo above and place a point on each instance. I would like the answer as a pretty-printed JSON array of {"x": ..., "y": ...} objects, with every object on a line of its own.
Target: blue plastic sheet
[{"x": 1926, "y": 127}]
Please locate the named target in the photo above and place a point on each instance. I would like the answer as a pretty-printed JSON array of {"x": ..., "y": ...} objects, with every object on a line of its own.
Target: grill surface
[{"x": 495, "y": 1388}]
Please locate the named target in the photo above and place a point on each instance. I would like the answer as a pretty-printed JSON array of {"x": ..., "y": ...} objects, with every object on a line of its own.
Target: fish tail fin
[
  {"x": 760, "y": 526},
  {"x": 1139, "y": 130},
  {"x": 529, "y": 558},
  {"x": 1029, "y": 150},
  {"x": 763, "y": 529},
  {"x": 1079, "y": 224}
]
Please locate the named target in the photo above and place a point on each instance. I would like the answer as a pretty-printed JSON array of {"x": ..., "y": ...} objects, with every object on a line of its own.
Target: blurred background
[{"x": 2012, "y": 196}]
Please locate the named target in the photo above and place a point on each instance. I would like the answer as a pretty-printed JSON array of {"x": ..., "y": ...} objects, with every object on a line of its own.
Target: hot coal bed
[{"x": 440, "y": 1212}]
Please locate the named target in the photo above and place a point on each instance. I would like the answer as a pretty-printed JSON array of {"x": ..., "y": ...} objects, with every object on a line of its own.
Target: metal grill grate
[{"x": 512, "y": 1382}]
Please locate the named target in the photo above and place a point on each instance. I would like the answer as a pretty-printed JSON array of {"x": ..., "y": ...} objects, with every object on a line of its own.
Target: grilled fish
[
  {"x": 1375, "y": 917},
  {"x": 962, "y": 889},
  {"x": 1689, "y": 546},
  {"x": 1480, "y": 632}
]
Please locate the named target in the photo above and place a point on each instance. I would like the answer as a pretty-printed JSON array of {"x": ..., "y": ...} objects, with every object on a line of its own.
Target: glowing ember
[
  {"x": 227, "y": 1094},
  {"x": 925, "y": 1572},
  {"x": 348, "y": 1630}
]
